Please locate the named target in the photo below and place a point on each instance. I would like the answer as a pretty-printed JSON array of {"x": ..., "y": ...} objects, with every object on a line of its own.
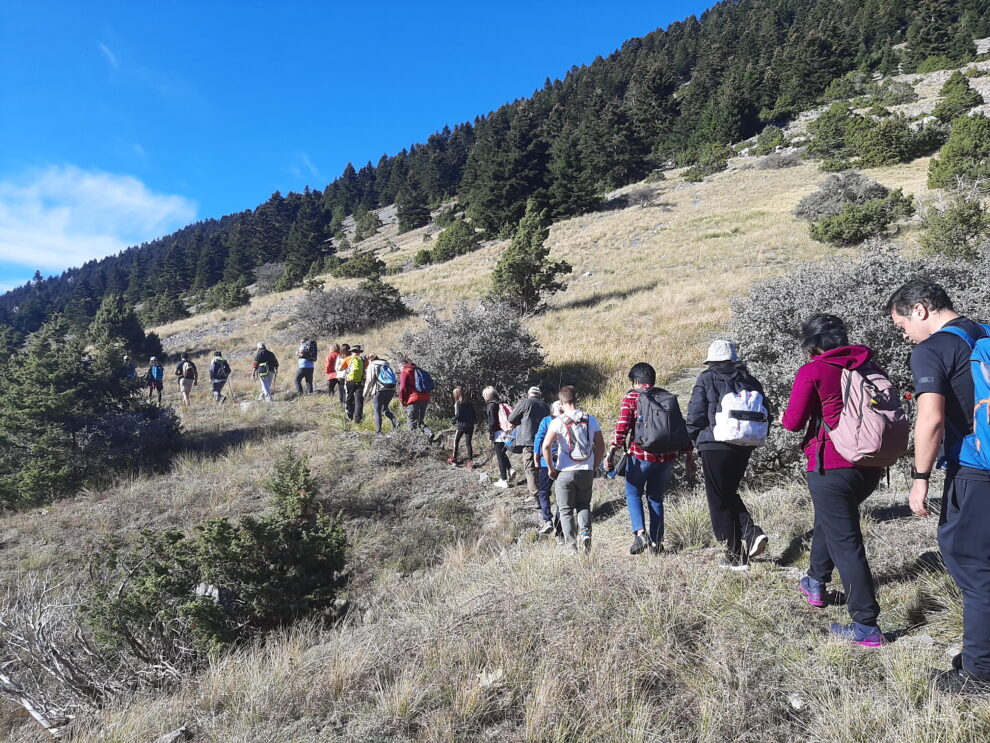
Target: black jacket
[
  {"x": 491, "y": 413},
  {"x": 709, "y": 389},
  {"x": 264, "y": 356},
  {"x": 526, "y": 417},
  {"x": 465, "y": 416}
]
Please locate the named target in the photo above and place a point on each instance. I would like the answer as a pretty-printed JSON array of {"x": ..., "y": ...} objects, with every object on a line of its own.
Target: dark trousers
[
  {"x": 543, "y": 495},
  {"x": 723, "y": 470},
  {"x": 468, "y": 436},
  {"x": 964, "y": 538},
  {"x": 354, "y": 407},
  {"x": 379, "y": 404},
  {"x": 502, "y": 458},
  {"x": 304, "y": 374},
  {"x": 332, "y": 385},
  {"x": 217, "y": 385},
  {"x": 838, "y": 537}
]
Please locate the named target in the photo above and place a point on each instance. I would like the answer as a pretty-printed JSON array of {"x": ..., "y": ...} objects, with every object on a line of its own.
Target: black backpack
[
  {"x": 309, "y": 352},
  {"x": 659, "y": 427},
  {"x": 221, "y": 369}
]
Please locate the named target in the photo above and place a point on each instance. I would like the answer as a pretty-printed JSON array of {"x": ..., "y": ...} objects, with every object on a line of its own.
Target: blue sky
[{"x": 122, "y": 121}]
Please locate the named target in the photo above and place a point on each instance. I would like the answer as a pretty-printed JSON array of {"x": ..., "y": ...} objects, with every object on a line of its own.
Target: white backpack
[{"x": 743, "y": 419}]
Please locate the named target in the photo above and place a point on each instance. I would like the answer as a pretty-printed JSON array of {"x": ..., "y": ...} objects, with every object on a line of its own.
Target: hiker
[
  {"x": 579, "y": 455},
  {"x": 465, "y": 420},
  {"x": 128, "y": 370},
  {"x": 265, "y": 369},
  {"x": 727, "y": 417},
  {"x": 340, "y": 366},
  {"x": 525, "y": 418},
  {"x": 497, "y": 414},
  {"x": 354, "y": 366},
  {"x": 837, "y": 486},
  {"x": 549, "y": 523},
  {"x": 185, "y": 372},
  {"x": 952, "y": 426},
  {"x": 330, "y": 368},
  {"x": 415, "y": 385},
  {"x": 650, "y": 453},
  {"x": 219, "y": 371},
  {"x": 156, "y": 378},
  {"x": 306, "y": 355},
  {"x": 380, "y": 387}
]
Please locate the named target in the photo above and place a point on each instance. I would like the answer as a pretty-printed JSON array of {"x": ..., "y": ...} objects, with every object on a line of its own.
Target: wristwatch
[{"x": 915, "y": 475}]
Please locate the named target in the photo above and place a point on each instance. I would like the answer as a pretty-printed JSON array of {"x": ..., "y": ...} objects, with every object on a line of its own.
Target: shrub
[
  {"x": 128, "y": 441},
  {"x": 828, "y": 131},
  {"x": 162, "y": 309},
  {"x": 890, "y": 141},
  {"x": 476, "y": 346},
  {"x": 766, "y": 324},
  {"x": 458, "y": 239},
  {"x": 894, "y": 93},
  {"x": 859, "y": 222},
  {"x": 367, "y": 225},
  {"x": 656, "y": 176},
  {"x": 780, "y": 160},
  {"x": 713, "y": 159},
  {"x": 959, "y": 227},
  {"x": 768, "y": 141},
  {"x": 229, "y": 581},
  {"x": 957, "y": 97},
  {"x": 266, "y": 277},
  {"x": 849, "y": 85},
  {"x": 965, "y": 157},
  {"x": 935, "y": 64},
  {"x": 227, "y": 296},
  {"x": 836, "y": 191},
  {"x": 360, "y": 266},
  {"x": 327, "y": 313},
  {"x": 447, "y": 216}
]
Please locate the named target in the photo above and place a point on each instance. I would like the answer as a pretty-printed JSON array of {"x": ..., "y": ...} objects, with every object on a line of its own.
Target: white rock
[
  {"x": 246, "y": 406},
  {"x": 586, "y": 273},
  {"x": 484, "y": 479},
  {"x": 796, "y": 702}
]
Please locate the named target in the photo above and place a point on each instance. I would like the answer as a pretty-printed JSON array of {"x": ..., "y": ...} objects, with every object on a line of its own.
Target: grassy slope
[{"x": 467, "y": 628}]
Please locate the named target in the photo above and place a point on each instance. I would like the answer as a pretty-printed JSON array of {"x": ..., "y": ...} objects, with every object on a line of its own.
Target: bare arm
[
  {"x": 929, "y": 430},
  {"x": 599, "y": 448},
  {"x": 547, "y": 450}
]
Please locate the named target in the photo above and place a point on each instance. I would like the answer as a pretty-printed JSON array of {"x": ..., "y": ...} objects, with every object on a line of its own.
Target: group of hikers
[{"x": 854, "y": 428}]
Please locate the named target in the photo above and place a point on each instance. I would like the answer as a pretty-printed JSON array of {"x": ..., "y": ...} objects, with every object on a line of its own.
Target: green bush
[
  {"x": 936, "y": 63},
  {"x": 857, "y": 223},
  {"x": 768, "y": 141},
  {"x": 891, "y": 140},
  {"x": 227, "y": 295},
  {"x": 458, "y": 239},
  {"x": 836, "y": 191},
  {"x": 162, "y": 309},
  {"x": 360, "y": 266},
  {"x": 849, "y": 85},
  {"x": 958, "y": 228},
  {"x": 957, "y": 97},
  {"x": 711, "y": 159},
  {"x": 367, "y": 224},
  {"x": 965, "y": 157},
  {"x": 829, "y": 131},
  {"x": 228, "y": 582},
  {"x": 894, "y": 93}
]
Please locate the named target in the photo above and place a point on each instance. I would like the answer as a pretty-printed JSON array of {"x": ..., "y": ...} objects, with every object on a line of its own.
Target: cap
[
  {"x": 154, "y": 358},
  {"x": 261, "y": 345},
  {"x": 357, "y": 348},
  {"x": 721, "y": 351},
  {"x": 535, "y": 392}
]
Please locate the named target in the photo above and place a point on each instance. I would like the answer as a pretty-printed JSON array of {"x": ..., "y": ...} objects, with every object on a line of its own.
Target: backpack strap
[{"x": 960, "y": 333}]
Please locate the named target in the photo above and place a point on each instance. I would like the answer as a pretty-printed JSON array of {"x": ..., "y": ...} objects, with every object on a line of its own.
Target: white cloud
[
  {"x": 111, "y": 57},
  {"x": 304, "y": 167},
  {"x": 62, "y": 216}
]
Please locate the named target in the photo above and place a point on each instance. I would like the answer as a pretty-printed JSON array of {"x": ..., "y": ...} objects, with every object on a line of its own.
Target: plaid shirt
[{"x": 624, "y": 428}]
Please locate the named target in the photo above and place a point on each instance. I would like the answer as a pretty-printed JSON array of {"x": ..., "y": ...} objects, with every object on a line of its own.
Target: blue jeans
[
  {"x": 649, "y": 479},
  {"x": 546, "y": 485}
]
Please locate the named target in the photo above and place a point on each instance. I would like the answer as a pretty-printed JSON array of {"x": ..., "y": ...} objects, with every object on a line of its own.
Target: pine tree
[
  {"x": 957, "y": 97},
  {"x": 524, "y": 276},
  {"x": 931, "y": 34},
  {"x": 412, "y": 207},
  {"x": 572, "y": 189},
  {"x": 116, "y": 326}
]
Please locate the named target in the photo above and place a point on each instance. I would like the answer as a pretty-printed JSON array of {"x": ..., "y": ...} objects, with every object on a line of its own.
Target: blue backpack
[
  {"x": 386, "y": 376},
  {"x": 976, "y": 446},
  {"x": 423, "y": 380}
]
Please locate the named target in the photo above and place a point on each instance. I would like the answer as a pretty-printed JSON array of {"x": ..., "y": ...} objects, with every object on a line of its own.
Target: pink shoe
[{"x": 812, "y": 590}]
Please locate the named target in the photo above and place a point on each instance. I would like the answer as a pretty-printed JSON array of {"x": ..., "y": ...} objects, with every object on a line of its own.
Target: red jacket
[
  {"x": 816, "y": 394},
  {"x": 330, "y": 368},
  {"x": 407, "y": 386}
]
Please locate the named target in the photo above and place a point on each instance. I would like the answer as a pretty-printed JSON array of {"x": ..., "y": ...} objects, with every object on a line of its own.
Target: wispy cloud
[
  {"x": 111, "y": 57},
  {"x": 62, "y": 216},
  {"x": 304, "y": 167}
]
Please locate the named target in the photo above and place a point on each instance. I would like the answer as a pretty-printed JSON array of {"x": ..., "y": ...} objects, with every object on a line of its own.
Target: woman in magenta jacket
[{"x": 837, "y": 486}]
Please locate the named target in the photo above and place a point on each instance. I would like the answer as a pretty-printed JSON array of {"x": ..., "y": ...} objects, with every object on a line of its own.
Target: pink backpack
[
  {"x": 873, "y": 428},
  {"x": 504, "y": 411}
]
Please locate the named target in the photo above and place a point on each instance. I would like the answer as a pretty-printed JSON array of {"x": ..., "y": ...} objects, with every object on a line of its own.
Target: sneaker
[
  {"x": 451, "y": 461},
  {"x": 655, "y": 548},
  {"x": 469, "y": 465},
  {"x": 512, "y": 473},
  {"x": 735, "y": 563},
  {"x": 545, "y": 527},
  {"x": 813, "y": 590},
  {"x": 584, "y": 542},
  {"x": 960, "y": 681},
  {"x": 860, "y": 634},
  {"x": 758, "y": 545},
  {"x": 639, "y": 543},
  {"x": 500, "y": 484},
  {"x": 559, "y": 539}
]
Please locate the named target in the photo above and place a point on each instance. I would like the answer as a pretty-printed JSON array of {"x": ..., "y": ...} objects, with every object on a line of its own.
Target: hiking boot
[
  {"x": 735, "y": 563},
  {"x": 813, "y": 590},
  {"x": 867, "y": 636},
  {"x": 655, "y": 548},
  {"x": 639, "y": 543},
  {"x": 584, "y": 541},
  {"x": 545, "y": 527},
  {"x": 758, "y": 544},
  {"x": 960, "y": 681},
  {"x": 500, "y": 484}
]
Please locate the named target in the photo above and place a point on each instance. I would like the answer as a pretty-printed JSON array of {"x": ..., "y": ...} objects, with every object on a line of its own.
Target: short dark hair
[
  {"x": 567, "y": 394},
  {"x": 823, "y": 333},
  {"x": 919, "y": 291},
  {"x": 185, "y": 355},
  {"x": 643, "y": 373}
]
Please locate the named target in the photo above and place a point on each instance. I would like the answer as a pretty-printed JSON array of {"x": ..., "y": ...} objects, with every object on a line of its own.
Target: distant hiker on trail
[
  {"x": 465, "y": 421},
  {"x": 727, "y": 418},
  {"x": 306, "y": 356},
  {"x": 579, "y": 455},
  {"x": 951, "y": 370},
  {"x": 525, "y": 418},
  {"x": 265, "y": 369},
  {"x": 185, "y": 372},
  {"x": 219, "y": 372},
  {"x": 129, "y": 369},
  {"x": 340, "y": 366},
  {"x": 651, "y": 433},
  {"x": 380, "y": 387},
  {"x": 156, "y": 378},
  {"x": 330, "y": 369},
  {"x": 415, "y": 385},
  {"x": 354, "y": 366},
  {"x": 549, "y": 523},
  {"x": 837, "y": 485},
  {"x": 500, "y": 432}
]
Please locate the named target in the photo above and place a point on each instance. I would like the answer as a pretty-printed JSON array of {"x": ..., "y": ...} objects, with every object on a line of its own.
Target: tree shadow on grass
[
  {"x": 889, "y": 513},
  {"x": 795, "y": 548},
  {"x": 217, "y": 443},
  {"x": 926, "y": 562},
  {"x": 586, "y": 378},
  {"x": 608, "y": 509},
  {"x": 598, "y": 298}
]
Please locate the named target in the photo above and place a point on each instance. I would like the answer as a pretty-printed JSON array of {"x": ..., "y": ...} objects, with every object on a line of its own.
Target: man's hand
[
  {"x": 553, "y": 472},
  {"x": 919, "y": 494},
  {"x": 536, "y": 459}
]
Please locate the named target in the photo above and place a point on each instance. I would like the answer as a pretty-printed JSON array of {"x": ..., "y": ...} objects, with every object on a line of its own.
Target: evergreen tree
[
  {"x": 931, "y": 34},
  {"x": 412, "y": 207},
  {"x": 957, "y": 97},
  {"x": 524, "y": 276},
  {"x": 116, "y": 326},
  {"x": 572, "y": 183},
  {"x": 965, "y": 157}
]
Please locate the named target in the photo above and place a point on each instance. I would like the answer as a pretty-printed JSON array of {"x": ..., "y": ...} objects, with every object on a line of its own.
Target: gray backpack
[{"x": 659, "y": 427}]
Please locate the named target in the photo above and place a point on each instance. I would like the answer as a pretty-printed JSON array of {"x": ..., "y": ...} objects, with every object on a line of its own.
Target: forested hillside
[{"x": 673, "y": 96}]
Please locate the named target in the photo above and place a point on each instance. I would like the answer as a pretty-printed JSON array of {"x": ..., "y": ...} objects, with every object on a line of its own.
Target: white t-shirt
[{"x": 559, "y": 426}]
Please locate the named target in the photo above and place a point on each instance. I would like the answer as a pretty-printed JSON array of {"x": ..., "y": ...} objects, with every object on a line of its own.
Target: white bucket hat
[{"x": 722, "y": 351}]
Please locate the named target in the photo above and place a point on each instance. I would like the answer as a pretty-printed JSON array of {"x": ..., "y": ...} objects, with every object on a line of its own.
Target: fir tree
[
  {"x": 116, "y": 325},
  {"x": 412, "y": 207},
  {"x": 957, "y": 97},
  {"x": 572, "y": 184}
]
